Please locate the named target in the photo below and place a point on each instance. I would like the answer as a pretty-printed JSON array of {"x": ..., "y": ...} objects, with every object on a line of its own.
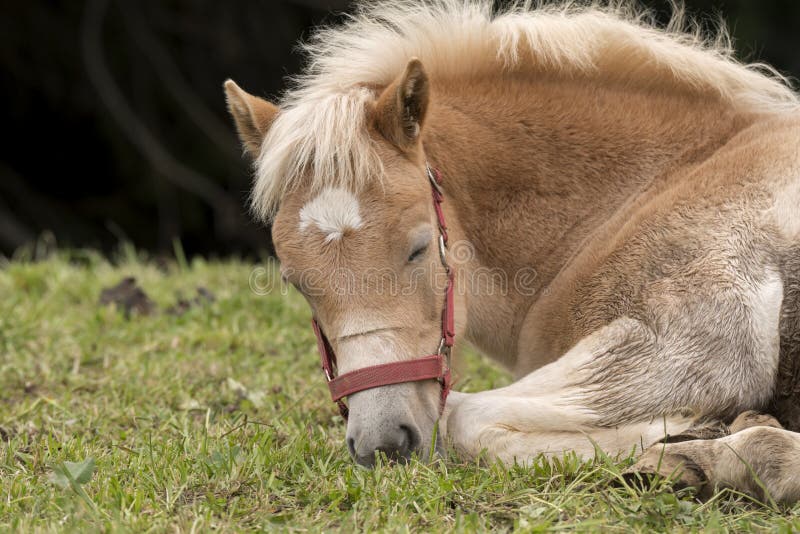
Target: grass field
[{"x": 216, "y": 417}]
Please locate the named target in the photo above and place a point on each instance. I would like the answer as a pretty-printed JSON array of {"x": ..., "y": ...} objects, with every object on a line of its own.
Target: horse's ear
[
  {"x": 400, "y": 110},
  {"x": 253, "y": 116}
]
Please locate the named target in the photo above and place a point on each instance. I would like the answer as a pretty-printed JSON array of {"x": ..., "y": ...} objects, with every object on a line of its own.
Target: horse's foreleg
[
  {"x": 763, "y": 461},
  {"x": 550, "y": 410},
  {"x": 502, "y": 432}
]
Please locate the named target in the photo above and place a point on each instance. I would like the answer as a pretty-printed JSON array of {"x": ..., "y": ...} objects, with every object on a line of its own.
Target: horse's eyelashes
[{"x": 417, "y": 254}]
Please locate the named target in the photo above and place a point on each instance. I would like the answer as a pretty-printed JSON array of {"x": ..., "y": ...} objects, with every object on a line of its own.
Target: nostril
[{"x": 397, "y": 445}]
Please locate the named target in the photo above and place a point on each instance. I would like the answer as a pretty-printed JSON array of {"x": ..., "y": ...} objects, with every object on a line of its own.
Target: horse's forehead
[
  {"x": 337, "y": 225},
  {"x": 333, "y": 212},
  {"x": 323, "y": 228}
]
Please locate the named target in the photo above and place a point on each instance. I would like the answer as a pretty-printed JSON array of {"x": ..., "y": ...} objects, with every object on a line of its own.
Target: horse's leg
[
  {"x": 759, "y": 458},
  {"x": 550, "y": 411},
  {"x": 629, "y": 382}
]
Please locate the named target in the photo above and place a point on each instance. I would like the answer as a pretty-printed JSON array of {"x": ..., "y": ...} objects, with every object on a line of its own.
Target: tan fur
[
  {"x": 400, "y": 110},
  {"x": 253, "y": 116},
  {"x": 459, "y": 42},
  {"x": 641, "y": 192}
]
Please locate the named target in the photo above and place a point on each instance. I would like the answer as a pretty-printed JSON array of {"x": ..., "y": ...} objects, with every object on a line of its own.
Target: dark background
[{"x": 114, "y": 120}]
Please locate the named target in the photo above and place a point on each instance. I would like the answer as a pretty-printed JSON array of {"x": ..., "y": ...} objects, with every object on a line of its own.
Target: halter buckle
[
  {"x": 433, "y": 180},
  {"x": 442, "y": 250}
]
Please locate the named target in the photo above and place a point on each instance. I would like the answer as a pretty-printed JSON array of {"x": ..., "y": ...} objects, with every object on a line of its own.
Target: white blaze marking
[{"x": 333, "y": 211}]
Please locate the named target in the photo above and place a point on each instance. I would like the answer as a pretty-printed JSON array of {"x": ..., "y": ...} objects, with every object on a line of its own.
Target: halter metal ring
[{"x": 444, "y": 350}]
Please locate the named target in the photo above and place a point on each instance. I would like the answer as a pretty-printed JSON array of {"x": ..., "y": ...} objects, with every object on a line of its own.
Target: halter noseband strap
[{"x": 435, "y": 366}]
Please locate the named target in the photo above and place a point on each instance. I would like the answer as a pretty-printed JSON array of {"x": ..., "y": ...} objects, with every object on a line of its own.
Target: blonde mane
[{"x": 320, "y": 134}]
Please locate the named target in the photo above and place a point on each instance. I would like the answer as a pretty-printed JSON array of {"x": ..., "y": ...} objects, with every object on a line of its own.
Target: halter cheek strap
[{"x": 433, "y": 367}]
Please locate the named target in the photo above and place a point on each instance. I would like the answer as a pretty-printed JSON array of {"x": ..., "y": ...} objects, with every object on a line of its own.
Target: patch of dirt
[
  {"x": 7, "y": 433},
  {"x": 201, "y": 492},
  {"x": 203, "y": 296},
  {"x": 128, "y": 297}
]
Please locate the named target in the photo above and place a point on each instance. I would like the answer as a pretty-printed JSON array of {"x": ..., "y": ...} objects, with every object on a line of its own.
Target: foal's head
[{"x": 365, "y": 258}]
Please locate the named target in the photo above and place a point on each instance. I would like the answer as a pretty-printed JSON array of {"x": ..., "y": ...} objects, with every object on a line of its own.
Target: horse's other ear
[
  {"x": 400, "y": 110},
  {"x": 253, "y": 116}
]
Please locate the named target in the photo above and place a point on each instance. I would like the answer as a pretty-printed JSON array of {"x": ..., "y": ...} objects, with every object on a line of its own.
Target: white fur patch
[
  {"x": 765, "y": 302},
  {"x": 366, "y": 339},
  {"x": 334, "y": 211},
  {"x": 357, "y": 352},
  {"x": 784, "y": 212}
]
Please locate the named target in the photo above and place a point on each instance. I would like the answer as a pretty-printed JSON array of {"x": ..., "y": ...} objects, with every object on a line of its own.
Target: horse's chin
[{"x": 426, "y": 454}]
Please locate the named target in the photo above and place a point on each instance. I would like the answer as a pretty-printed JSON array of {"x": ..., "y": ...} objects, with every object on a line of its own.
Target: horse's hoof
[
  {"x": 753, "y": 418},
  {"x": 656, "y": 464}
]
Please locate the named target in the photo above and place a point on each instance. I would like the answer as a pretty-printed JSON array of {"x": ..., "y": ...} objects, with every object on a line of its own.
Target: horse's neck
[{"x": 534, "y": 168}]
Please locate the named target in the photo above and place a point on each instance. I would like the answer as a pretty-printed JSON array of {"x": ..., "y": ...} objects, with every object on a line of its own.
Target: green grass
[{"x": 219, "y": 419}]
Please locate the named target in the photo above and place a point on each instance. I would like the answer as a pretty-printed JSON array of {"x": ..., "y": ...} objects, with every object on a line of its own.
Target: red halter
[{"x": 436, "y": 366}]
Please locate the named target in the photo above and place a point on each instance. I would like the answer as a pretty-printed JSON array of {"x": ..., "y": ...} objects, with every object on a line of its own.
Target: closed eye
[{"x": 417, "y": 254}]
